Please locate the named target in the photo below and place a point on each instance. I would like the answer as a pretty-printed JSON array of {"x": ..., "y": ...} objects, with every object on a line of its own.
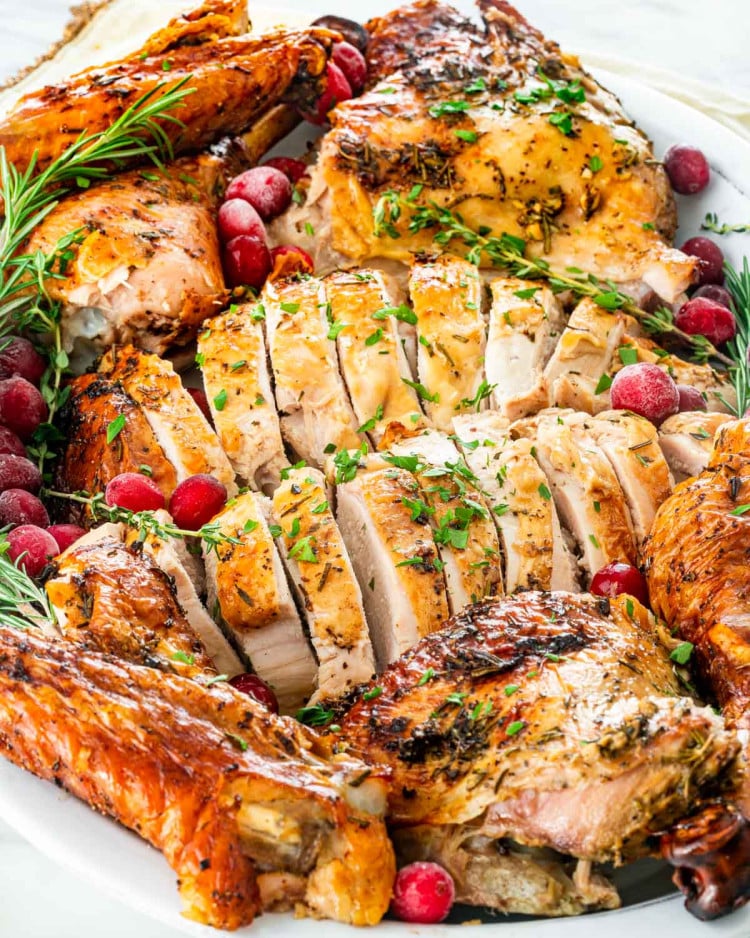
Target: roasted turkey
[
  {"x": 249, "y": 809},
  {"x": 500, "y": 125},
  {"x": 532, "y": 730}
]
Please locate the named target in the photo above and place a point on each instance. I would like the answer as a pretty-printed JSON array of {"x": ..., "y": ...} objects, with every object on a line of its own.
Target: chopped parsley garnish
[
  {"x": 403, "y": 313},
  {"x": 544, "y": 492},
  {"x": 289, "y": 307},
  {"x": 370, "y": 424},
  {"x": 303, "y": 550},
  {"x": 515, "y": 727},
  {"x": 184, "y": 658},
  {"x": 526, "y": 294},
  {"x": 428, "y": 675},
  {"x": 220, "y": 401},
  {"x": 422, "y": 391},
  {"x": 374, "y": 338},
  {"x": 315, "y": 715},
  {"x": 449, "y": 107},
  {"x": 335, "y": 329},
  {"x": 682, "y": 653},
  {"x": 628, "y": 354},
  {"x": 115, "y": 428},
  {"x": 596, "y": 164},
  {"x": 483, "y": 392},
  {"x": 468, "y": 136},
  {"x": 604, "y": 384},
  {"x": 372, "y": 693},
  {"x": 510, "y": 689}
]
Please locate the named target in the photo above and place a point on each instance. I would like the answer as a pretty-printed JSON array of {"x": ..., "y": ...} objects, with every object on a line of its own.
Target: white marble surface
[{"x": 706, "y": 41}]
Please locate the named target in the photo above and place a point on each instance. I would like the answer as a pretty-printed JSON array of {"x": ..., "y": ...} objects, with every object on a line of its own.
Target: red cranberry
[
  {"x": 252, "y": 685},
  {"x": 337, "y": 89},
  {"x": 135, "y": 492},
  {"x": 712, "y": 291},
  {"x": 202, "y": 401},
  {"x": 19, "y": 357},
  {"x": 646, "y": 390},
  {"x": 266, "y": 188},
  {"x": 247, "y": 261},
  {"x": 617, "y": 578},
  {"x": 196, "y": 500},
  {"x": 65, "y": 534},
  {"x": 710, "y": 259},
  {"x": 690, "y": 398},
  {"x": 352, "y": 63},
  {"x": 296, "y": 260},
  {"x": 17, "y": 506},
  {"x": 17, "y": 472},
  {"x": 22, "y": 407},
  {"x": 9, "y": 443},
  {"x": 687, "y": 169},
  {"x": 33, "y": 545},
  {"x": 423, "y": 893},
  {"x": 700, "y": 316},
  {"x": 238, "y": 217},
  {"x": 294, "y": 170}
]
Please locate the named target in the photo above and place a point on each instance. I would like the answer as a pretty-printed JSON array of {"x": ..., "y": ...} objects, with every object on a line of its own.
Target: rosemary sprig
[
  {"x": 738, "y": 284},
  {"x": 509, "y": 252},
  {"x": 711, "y": 223},
  {"x": 145, "y": 522},
  {"x": 29, "y": 197},
  {"x": 22, "y": 602}
]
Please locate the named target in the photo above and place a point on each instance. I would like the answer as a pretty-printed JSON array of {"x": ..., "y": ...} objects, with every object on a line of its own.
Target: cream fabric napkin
[{"x": 730, "y": 110}]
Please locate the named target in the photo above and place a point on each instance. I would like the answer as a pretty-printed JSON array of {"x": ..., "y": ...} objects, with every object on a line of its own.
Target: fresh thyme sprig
[
  {"x": 144, "y": 522},
  {"x": 29, "y": 197},
  {"x": 738, "y": 284},
  {"x": 711, "y": 223},
  {"x": 509, "y": 252},
  {"x": 22, "y": 602}
]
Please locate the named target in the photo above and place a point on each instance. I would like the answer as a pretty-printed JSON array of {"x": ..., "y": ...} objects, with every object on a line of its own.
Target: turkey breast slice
[
  {"x": 233, "y": 360},
  {"x": 313, "y": 551},
  {"x": 310, "y": 394},
  {"x": 687, "y": 441},
  {"x": 523, "y": 332},
  {"x": 518, "y": 493},
  {"x": 248, "y": 591},
  {"x": 394, "y": 557},
  {"x": 446, "y": 294}
]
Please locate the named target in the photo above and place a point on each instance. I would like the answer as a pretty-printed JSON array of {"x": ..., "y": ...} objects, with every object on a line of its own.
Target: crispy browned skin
[
  {"x": 697, "y": 561},
  {"x": 247, "y": 808},
  {"x": 88, "y": 461},
  {"x": 236, "y": 79},
  {"x": 554, "y": 719},
  {"x": 114, "y": 599}
]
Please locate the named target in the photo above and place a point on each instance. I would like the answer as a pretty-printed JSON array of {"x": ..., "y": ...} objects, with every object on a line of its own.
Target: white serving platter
[{"x": 118, "y": 863}]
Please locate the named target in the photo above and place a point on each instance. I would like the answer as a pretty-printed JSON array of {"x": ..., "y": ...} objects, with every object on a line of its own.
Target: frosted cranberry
[
  {"x": 645, "y": 389},
  {"x": 266, "y": 188},
  {"x": 352, "y": 63},
  {"x": 202, "y": 401},
  {"x": 690, "y": 398},
  {"x": 252, "y": 685},
  {"x": 196, "y": 500},
  {"x": 294, "y": 170},
  {"x": 710, "y": 259},
  {"x": 17, "y": 472},
  {"x": 700, "y": 316},
  {"x": 19, "y": 357},
  {"x": 238, "y": 217},
  {"x": 17, "y": 506},
  {"x": 687, "y": 169},
  {"x": 134, "y": 491},
  {"x": 33, "y": 545},
  {"x": 9, "y": 443},
  {"x": 423, "y": 893},
  {"x": 617, "y": 578},
  {"x": 296, "y": 260},
  {"x": 65, "y": 534},
  {"x": 22, "y": 407},
  {"x": 247, "y": 262},
  {"x": 712, "y": 291},
  {"x": 352, "y": 31},
  {"x": 337, "y": 89}
]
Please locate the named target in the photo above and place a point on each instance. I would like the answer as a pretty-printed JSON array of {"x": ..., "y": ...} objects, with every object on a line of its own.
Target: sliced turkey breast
[
  {"x": 525, "y": 324},
  {"x": 574, "y": 374},
  {"x": 310, "y": 394},
  {"x": 518, "y": 493},
  {"x": 184, "y": 434},
  {"x": 365, "y": 319},
  {"x": 452, "y": 501},
  {"x": 631, "y": 445},
  {"x": 248, "y": 591},
  {"x": 394, "y": 557},
  {"x": 232, "y": 357},
  {"x": 170, "y": 555},
  {"x": 321, "y": 572},
  {"x": 587, "y": 493},
  {"x": 687, "y": 441},
  {"x": 446, "y": 294}
]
